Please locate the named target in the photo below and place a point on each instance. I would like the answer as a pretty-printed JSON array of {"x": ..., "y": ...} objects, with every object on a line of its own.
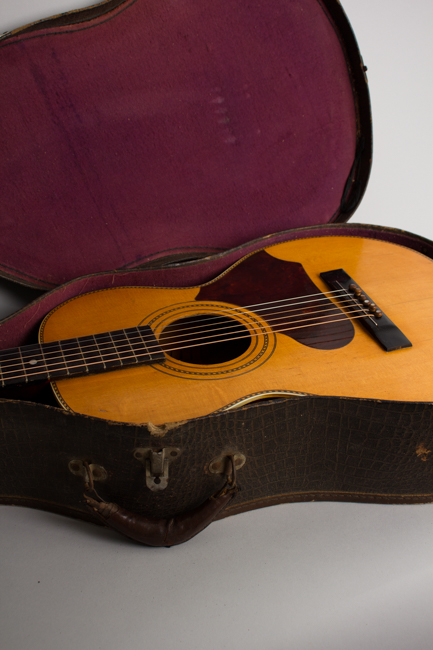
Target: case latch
[{"x": 156, "y": 464}]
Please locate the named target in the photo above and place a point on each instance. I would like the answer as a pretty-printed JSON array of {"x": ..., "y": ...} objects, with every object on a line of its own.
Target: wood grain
[{"x": 398, "y": 279}]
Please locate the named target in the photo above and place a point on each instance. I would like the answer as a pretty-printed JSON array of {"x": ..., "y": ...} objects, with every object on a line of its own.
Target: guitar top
[{"x": 344, "y": 316}]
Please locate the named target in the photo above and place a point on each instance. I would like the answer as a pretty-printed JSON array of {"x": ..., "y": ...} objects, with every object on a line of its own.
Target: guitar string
[
  {"x": 287, "y": 303},
  {"x": 44, "y": 350},
  {"x": 329, "y": 304},
  {"x": 237, "y": 338},
  {"x": 38, "y": 371},
  {"x": 238, "y": 309},
  {"x": 46, "y": 346}
]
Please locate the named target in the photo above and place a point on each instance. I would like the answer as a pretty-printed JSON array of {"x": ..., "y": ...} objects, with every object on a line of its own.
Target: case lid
[{"x": 150, "y": 129}]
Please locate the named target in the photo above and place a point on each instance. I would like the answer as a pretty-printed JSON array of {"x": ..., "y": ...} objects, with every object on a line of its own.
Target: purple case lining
[{"x": 160, "y": 128}]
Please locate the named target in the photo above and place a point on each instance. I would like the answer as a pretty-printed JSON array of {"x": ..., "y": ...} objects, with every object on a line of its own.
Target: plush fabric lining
[{"x": 165, "y": 127}]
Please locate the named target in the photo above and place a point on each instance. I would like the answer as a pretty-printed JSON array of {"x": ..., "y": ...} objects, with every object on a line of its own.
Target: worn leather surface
[{"x": 296, "y": 449}]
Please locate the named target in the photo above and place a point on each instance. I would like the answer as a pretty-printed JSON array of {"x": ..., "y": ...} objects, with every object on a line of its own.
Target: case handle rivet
[
  {"x": 78, "y": 468},
  {"x": 218, "y": 464}
]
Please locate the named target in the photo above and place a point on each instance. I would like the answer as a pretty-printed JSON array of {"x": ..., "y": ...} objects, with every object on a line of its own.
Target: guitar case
[{"x": 167, "y": 141}]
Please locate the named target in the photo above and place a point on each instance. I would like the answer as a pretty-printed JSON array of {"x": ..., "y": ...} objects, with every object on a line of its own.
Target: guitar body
[{"x": 265, "y": 361}]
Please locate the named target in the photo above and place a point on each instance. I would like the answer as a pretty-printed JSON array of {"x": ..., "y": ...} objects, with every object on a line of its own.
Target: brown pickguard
[{"x": 262, "y": 278}]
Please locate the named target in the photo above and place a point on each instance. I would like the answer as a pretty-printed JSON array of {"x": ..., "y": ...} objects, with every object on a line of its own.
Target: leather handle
[
  {"x": 152, "y": 531},
  {"x": 160, "y": 532}
]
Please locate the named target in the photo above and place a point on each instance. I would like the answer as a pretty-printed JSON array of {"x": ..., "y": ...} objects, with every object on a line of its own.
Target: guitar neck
[{"x": 79, "y": 356}]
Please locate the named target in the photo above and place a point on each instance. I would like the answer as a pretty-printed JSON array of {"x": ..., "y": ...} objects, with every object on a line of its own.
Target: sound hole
[{"x": 205, "y": 339}]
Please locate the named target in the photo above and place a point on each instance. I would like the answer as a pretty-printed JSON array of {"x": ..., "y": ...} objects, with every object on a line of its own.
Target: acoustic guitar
[{"x": 337, "y": 315}]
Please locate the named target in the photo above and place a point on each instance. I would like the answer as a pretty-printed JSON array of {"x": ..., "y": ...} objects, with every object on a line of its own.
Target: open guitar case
[{"x": 167, "y": 141}]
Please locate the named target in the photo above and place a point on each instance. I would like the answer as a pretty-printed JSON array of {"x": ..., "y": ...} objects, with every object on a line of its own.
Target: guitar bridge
[{"x": 357, "y": 301}]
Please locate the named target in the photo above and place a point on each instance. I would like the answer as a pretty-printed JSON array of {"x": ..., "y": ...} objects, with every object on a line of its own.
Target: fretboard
[{"x": 80, "y": 356}]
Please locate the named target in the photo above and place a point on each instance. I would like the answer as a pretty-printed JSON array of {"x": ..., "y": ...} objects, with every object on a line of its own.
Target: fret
[
  {"x": 150, "y": 344},
  {"x": 55, "y": 361},
  {"x": 73, "y": 356},
  {"x": 144, "y": 344},
  {"x": 23, "y": 366},
  {"x": 145, "y": 348},
  {"x": 124, "y": 348},
  {"x": 62, "y": 356},
  {"x": 86, "y": 369},
  {"x": 90, "y": 350},
  {"x": 135, "y": 340},
  {"x": 33, "y": 363},
  {"x": 83, "y": 355},
  {"x": 107, "y": 350},
  {"x": 113, "y": 337},
  {"x": 11, "y": 367}
]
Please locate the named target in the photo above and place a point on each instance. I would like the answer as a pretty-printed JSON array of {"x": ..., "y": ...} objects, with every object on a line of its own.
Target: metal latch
[{"x": 156, "y": 464}]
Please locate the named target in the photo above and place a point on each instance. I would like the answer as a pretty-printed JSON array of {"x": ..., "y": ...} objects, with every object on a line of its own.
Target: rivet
[
  {"x": 218, "y": 465},
  {"x": 77, "y": 467}
]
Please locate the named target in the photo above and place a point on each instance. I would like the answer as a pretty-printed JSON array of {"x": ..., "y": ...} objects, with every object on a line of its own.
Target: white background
[{"x": 305, "y": 576}]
